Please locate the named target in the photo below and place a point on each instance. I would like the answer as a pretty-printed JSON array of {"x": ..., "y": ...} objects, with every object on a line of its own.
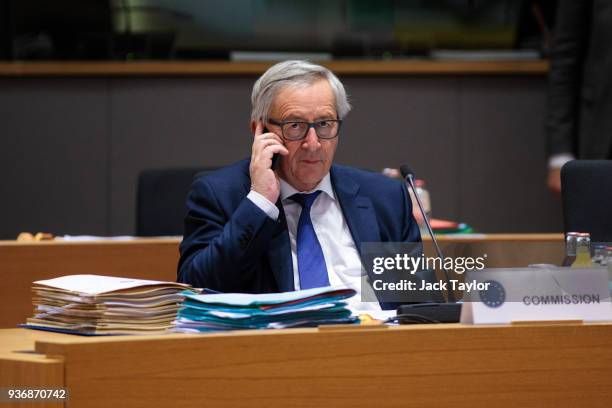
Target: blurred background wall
[{"x": 72, "y": 146}]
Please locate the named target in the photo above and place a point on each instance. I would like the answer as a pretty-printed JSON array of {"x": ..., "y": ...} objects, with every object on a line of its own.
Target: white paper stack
[{"x": 105, "y": 305}]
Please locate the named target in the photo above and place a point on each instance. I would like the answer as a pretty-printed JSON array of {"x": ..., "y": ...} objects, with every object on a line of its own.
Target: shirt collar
[{"x": 287, "y": 190}]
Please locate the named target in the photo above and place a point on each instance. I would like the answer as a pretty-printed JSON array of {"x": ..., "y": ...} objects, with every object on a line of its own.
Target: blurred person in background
[{"x": 579, "y": 120}]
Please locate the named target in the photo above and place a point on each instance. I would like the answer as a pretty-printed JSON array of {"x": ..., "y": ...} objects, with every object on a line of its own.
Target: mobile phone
[
  {"x": 274, "y": 160},
  {"x": 276, "y": 156}
]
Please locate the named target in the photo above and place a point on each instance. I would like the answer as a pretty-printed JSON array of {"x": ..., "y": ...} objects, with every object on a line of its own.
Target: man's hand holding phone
[{"x": 265, "y": 146}]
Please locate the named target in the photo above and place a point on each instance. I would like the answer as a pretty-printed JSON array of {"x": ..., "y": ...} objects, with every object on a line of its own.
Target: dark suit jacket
[
  {"x": 580, "y": 84},
  {"x": 231, "y": 245}
]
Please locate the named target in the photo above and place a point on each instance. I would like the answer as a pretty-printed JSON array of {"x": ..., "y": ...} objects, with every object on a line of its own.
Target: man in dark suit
[
  {"x": 258, "y": 226},
  {"x": 579, "y": 122}
]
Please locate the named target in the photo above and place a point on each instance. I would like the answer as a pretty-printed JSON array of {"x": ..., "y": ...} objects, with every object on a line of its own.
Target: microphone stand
[
  {"x": 428, "y": 312},
  {"x": 410, "y": 181}
]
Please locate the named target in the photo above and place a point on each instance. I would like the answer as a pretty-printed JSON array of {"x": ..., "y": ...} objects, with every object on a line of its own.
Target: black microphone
[
  {"x": 408, "y": 175},
  {"x": 428, "y": 312}
]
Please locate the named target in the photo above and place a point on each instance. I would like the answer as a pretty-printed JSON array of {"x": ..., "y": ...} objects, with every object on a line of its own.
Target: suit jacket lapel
[
  {"x": 358, "y": 210},
  {"x": 279, "y": 254}
]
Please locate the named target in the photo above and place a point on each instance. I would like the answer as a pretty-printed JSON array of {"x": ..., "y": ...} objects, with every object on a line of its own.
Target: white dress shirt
[{"x": 339, "y": 251}]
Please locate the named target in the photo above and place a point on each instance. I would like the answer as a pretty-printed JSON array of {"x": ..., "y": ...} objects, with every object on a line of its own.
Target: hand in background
[{"x": 554, "y": 180}]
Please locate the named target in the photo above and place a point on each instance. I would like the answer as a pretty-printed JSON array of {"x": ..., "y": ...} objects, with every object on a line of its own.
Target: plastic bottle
[
  {"x": 424, "y": 196},
  {"x": 583, "y": 251},
  {"x": 570, "y": 248},
  {"x": 599, "y": 255},
  {"x": 609, "y": 262}
]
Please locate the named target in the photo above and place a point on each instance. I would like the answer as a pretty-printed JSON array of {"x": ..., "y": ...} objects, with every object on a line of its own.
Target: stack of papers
[
  {"x": 105, "y": 305},
  {"x": 238, "y": 311}
]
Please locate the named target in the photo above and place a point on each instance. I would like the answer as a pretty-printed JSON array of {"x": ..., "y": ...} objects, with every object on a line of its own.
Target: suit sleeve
[
  {"x": 220, "y": 251},
  {"x": 570, "y": 44}
]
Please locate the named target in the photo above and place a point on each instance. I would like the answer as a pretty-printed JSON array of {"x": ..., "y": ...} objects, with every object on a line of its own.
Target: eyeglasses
[{"x": 297, "y": 130}]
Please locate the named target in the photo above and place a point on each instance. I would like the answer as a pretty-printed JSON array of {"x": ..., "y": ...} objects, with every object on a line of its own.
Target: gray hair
[{"x": 293, "y": 73}]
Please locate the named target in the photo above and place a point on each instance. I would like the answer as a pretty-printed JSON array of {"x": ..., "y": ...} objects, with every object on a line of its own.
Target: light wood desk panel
[
  {"x": 504, "y": 250},
  {"x": 23, "y": 263},
  {"x": 423, "y": 365},
  {"x": 21, "y": 368}
]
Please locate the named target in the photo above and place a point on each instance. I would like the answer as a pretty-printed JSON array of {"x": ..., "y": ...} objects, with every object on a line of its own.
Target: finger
[
  {"x": 268, "y": 135},
  {"x": 261, "y": 145},
  {"x": 272, "y": 135},
  {"x": 265, "y": 141},
  {"x": 276, "y": 148},
  {"x": 259, "y": 128},
  {"x": 267, "y": 149}
]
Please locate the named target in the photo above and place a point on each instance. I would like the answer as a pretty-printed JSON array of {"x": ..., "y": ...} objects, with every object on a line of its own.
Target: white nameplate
[{"x": 534, "y": 294}]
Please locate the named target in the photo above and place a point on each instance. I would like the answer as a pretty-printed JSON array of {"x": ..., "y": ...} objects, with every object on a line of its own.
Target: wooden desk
[
  {"x": 504, "y": 250},
  {"x": 23, "y": 263},
  {"x": 424, "y": 365}
]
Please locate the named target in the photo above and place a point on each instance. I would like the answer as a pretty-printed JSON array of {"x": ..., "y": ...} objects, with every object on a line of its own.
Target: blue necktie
[{"x": 311, "y": 264}]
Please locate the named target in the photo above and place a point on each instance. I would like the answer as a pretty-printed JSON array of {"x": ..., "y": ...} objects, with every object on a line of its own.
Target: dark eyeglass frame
[{"x": 310, "y": 125}]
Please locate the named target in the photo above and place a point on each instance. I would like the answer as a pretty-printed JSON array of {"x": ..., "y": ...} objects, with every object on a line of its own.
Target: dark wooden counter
[{"x": 212, "y": 68}]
